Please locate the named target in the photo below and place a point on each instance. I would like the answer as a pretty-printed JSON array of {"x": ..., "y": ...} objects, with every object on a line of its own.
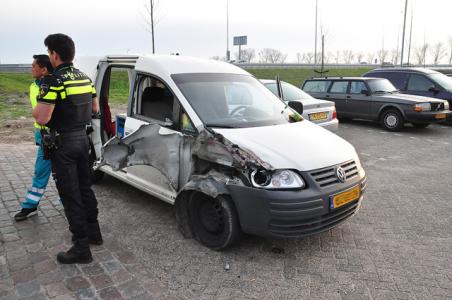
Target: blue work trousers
[{"x": 43, "y": 170}]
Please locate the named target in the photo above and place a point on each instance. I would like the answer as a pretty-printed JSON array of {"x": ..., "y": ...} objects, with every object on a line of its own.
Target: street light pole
[
  {"x": 403, "y": 34},
  {"x": 228, "y": 53},
  {"x": 315, "y": 32},
  {"x": 411, "y": 32}
]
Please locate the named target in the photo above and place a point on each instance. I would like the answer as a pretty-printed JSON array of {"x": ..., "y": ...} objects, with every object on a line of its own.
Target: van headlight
[
  {"x": 422, "y": 107},
  {"x": 446, "y": 105},
  {"x": 280, "y": 179}
]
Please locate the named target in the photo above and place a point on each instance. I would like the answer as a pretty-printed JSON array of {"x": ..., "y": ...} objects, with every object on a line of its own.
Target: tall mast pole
[
  {"x": 228, "y": 53},
  {"x": 152, "y": 26},
  {"x": 315, "y": 32},
  {"x": 403, "y": 35},
  {"x": 411, "y": 32}
]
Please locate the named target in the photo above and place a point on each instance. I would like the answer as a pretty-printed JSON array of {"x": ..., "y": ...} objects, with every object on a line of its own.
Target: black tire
[
  {"x": 214, "y": 220},
  {"x": 420, "y": 125},
  {"x": 392, "y": 120},
  {"x": 343, "y": 120},
  {"x": 97, "y": 176}
]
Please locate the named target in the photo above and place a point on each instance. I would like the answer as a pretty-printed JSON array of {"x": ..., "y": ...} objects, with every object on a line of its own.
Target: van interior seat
[{"x": 157, "y": 103}]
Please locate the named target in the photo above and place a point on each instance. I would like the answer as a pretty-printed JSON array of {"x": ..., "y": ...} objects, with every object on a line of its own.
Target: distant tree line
[{"x": 425, "y": 53}]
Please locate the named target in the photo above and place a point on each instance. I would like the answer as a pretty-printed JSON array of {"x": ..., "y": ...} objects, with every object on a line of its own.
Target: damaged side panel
[
  {"x": 150, "y": 145},
  {"x": 175, "y": 155}
]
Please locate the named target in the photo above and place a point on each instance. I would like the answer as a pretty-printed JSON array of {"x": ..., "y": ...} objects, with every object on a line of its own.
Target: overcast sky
[{"x": 198, "y": 27}]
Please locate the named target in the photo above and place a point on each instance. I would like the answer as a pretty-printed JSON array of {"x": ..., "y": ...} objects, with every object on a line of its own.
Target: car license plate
[
  {"x": 440, "y": 116},
  {"x": 318, "y": 116},
  {"x": 346, "y": 197}
]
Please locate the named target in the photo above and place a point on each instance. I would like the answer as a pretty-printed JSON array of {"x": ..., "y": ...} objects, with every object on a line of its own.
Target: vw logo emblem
[{"x": 340, "y": 173}]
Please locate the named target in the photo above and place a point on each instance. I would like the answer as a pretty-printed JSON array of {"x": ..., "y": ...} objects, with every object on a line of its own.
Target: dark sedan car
[
  {"x": 417, "y": 81},
  {"x": 377, "y": 99}
]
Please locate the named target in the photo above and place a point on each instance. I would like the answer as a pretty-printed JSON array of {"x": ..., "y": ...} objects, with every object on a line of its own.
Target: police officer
[
  {"x": 66, "y": 101},
  {"x": 39, "y": 68}
]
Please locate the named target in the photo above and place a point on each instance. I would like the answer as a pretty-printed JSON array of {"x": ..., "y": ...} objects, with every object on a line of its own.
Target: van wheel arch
[{"x": 212, "y": 221}]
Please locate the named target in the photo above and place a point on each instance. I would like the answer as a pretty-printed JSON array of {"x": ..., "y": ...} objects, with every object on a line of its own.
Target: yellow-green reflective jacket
[{"x": 34, "y": 92}]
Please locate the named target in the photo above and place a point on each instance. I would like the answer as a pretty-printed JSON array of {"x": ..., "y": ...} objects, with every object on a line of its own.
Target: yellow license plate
[
  {"x": 440, "y": 116},
  {"x": 318, "y": 116},
  {"x": 346, "y": 197}
]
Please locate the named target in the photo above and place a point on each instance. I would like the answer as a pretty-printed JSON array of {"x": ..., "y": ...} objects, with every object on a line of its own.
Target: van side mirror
[
  {"x": 365, "y": 92},
  {"x": 168, "y": 123},
  {"x": 296, "y": 106}
]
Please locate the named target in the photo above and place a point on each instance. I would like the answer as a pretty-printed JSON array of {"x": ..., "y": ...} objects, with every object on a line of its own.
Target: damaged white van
[{"x": 211, "y": 139}]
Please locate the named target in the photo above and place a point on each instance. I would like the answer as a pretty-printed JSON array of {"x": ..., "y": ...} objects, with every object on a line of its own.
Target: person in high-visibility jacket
[{"x": 40, "y": 67}]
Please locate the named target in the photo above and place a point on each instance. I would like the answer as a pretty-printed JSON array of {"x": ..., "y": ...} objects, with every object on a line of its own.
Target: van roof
[{"x": 178, "y": 64}]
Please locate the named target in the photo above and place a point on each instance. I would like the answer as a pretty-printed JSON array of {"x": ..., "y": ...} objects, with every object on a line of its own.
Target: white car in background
[{"x": 320, "y": 112}]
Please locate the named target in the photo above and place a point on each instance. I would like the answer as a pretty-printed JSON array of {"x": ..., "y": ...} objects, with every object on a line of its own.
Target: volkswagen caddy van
[{"x": 232, "y": 158}]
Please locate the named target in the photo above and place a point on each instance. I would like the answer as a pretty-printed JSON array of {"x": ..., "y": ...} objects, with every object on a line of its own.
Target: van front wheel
[{"x": 214, "y": 220}]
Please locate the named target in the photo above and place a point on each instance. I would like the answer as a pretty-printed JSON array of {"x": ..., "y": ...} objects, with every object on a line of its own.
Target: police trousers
[{"x": 70, "y": 166}]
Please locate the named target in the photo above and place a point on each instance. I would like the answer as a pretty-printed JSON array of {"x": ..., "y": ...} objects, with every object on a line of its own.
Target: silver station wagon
[{"x": 320, "y": 112}]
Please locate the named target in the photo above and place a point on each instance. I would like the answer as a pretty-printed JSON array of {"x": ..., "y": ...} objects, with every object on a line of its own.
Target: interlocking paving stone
[
  {"x": 131, "y": 289},
  {"x": 110, "y": 293},
  {"x": 121, "y": 276},
  {"x": 77, "y": 283},
  {"x": 56, "y": 289},
  {"x": 92, "y": 269},
  {"x": 85, "y": 294},
  {"x": 397, "y": 246},
  {"x": 45, "y": 266},
  {"x": 28, "y": 289},
  {"x": 112, "y": 266},
  {"x": 101, "y": 281},
  {"x": 23, "y": 275}
]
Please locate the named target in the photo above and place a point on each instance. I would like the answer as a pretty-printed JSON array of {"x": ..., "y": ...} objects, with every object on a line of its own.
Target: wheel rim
[
  {"x": 391, "y": 120},
  {"x": 211, "y": 216}
]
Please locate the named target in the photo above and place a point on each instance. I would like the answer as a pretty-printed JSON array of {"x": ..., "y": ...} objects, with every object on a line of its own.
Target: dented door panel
[{"x": 151, "y": 155}]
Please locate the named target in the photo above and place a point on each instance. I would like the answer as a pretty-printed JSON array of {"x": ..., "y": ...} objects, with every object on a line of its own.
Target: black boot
[
  {"x": 94, "y": 234},
  {"x": 78, "y": 254}
]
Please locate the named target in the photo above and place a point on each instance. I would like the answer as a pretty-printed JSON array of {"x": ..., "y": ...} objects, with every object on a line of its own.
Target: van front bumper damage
[{"x": 272, "y": 213}]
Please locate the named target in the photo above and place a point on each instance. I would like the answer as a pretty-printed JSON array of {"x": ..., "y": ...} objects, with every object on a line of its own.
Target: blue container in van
[{"x": 120, "y": 123}]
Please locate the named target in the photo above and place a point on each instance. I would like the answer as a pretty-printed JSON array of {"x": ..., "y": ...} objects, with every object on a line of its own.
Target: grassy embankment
[
  {"x": 298, "y": 76},
  {"x": 14, "y": 93},
  {"x": 14, "y": 101},
  {"x": 14, "y": 87}
]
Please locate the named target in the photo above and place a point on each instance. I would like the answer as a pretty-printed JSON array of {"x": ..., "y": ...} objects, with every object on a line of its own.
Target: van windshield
[
  {"x": 443, "y": 80},
  {"x": 232, "y": 100}
]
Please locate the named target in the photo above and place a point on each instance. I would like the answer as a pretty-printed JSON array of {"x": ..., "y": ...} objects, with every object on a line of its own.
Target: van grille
[{"x": 327, "y": 177}]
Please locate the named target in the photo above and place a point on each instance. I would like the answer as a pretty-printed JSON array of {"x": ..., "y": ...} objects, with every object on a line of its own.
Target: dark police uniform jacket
[{"x": 72, "y": 93}]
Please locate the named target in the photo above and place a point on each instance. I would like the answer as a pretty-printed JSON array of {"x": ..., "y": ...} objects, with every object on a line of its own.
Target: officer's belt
[{"x": 68, "y": 134}]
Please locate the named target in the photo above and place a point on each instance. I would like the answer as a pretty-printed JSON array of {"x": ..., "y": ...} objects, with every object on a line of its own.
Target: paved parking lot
[{"x": 398, "y": 246}]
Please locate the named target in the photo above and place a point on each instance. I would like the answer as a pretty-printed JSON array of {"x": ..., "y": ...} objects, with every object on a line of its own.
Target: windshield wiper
[
  {"x": 381, "y": 92},
  {"x": 219, "y": 125}
]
